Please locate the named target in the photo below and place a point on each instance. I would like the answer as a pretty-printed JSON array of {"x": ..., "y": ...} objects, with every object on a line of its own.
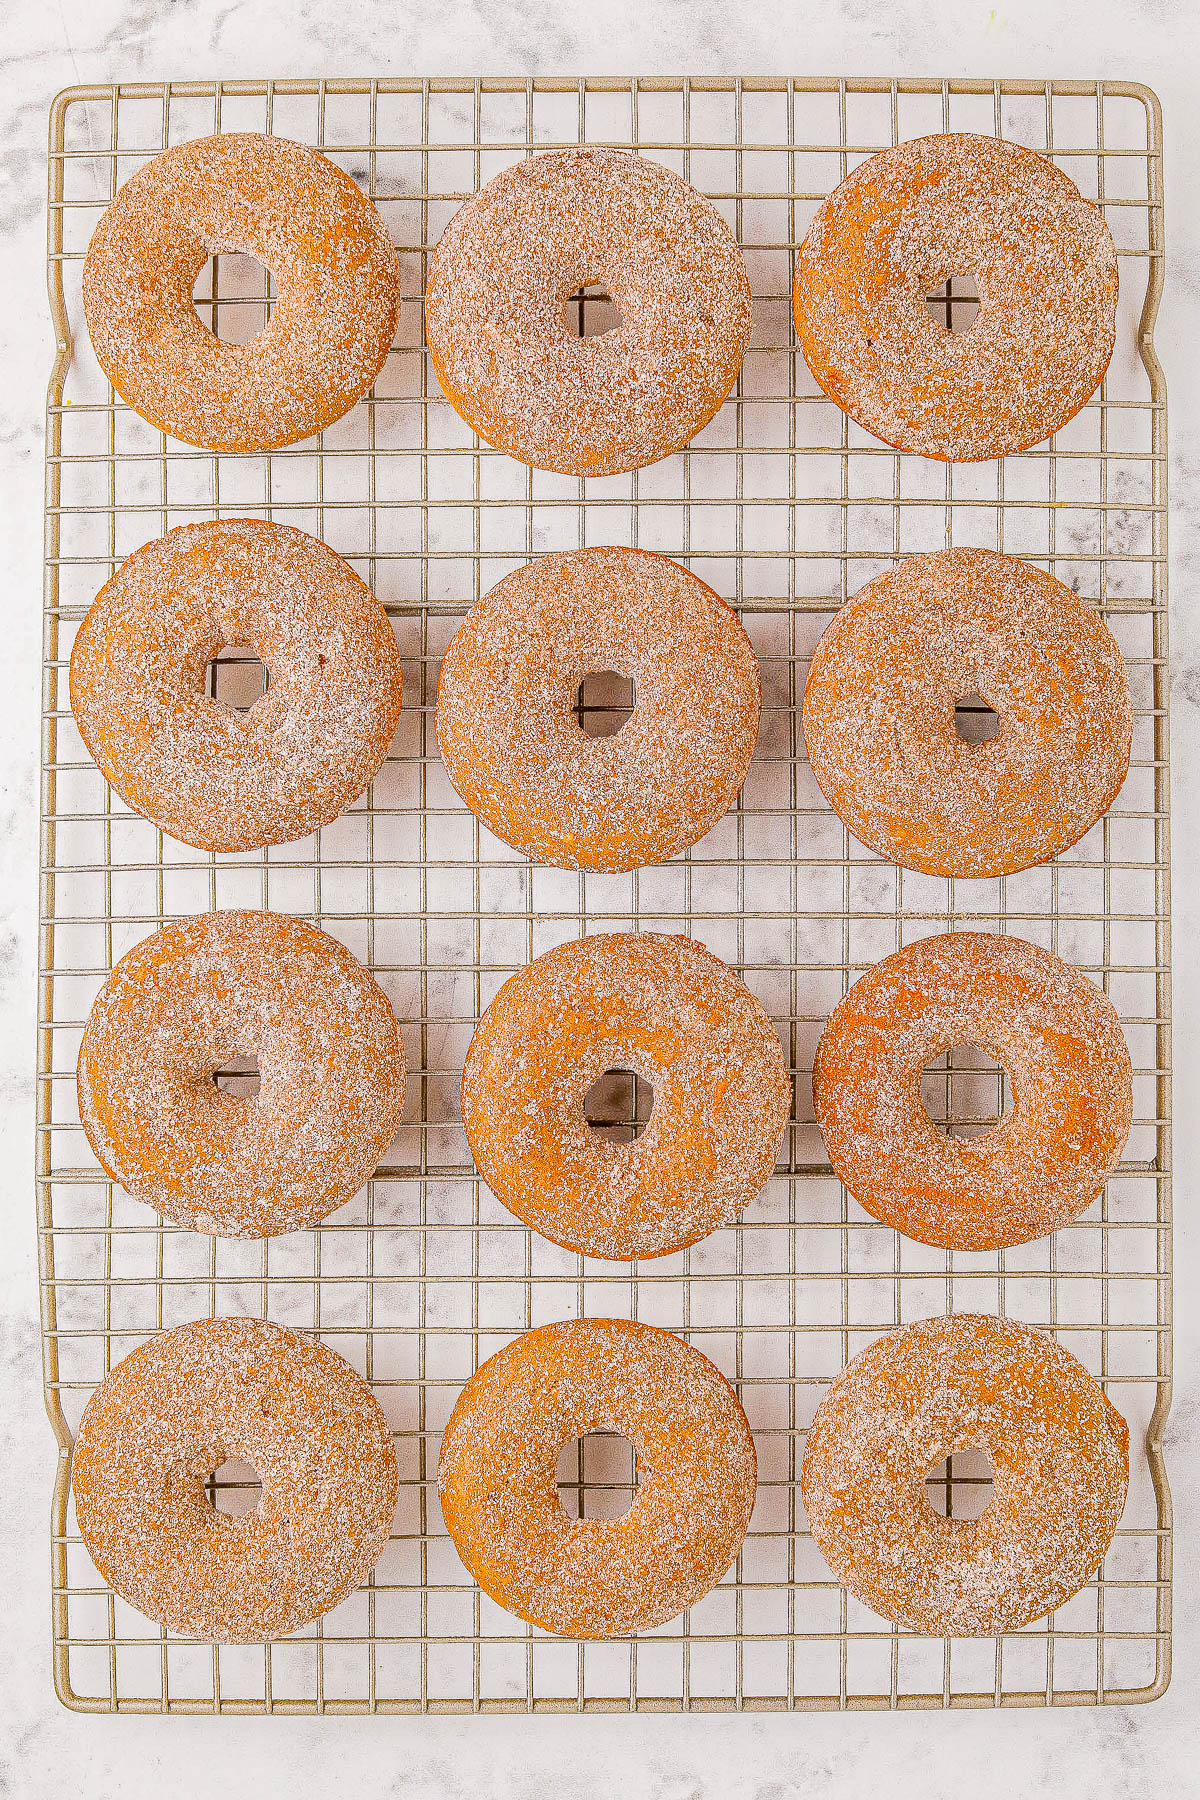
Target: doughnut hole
[
  {"x": 961, "y": 1486},
  {"x": 234, "y": 1488},
  {"x": 966, "y": 1092},
  {"x": 237, "y": 678},
  {"x": 239, "y": 1076},
  {"x": 954, "y": 304},
  {"x": 618, "y": 1105},
  {"x": 233, "y": 295},
  {"x": 604, "y": 702},
  {"x": 597, "y": 1476},
  {"x": 591, "y": 312},
  {"x": 974, "y": 720}
]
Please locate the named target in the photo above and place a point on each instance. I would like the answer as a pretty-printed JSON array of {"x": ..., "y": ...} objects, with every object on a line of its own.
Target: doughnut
[
  {"x": 1043, "y": 262},
  {"x": 879, "y": 723},
  {"x": 1059, "y": 1450},
  {"x": 169, "y": 1415},
  {"x": 496, "y": 311},
  {"x": 506, "y": 725},
  {"x": 667, "y": 1009},
  {"x": 1061, "y": 1043},
  {"x": 336, "y": 277},
  {"x": 593, "y": 1578},
  {"x": 241, "y": 984},
  {"x": 311, "y": 744}
]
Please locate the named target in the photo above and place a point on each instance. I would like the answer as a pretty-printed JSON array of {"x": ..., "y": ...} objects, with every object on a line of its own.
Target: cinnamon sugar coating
[
  {"x": 1060, "y": 1456},
  {"x": 879, "y": 714},
  {"x": 696, "y": 1466},
  {"x": 240, "y": 984},
  {"x": 1043, "y": 262},
  {"x": 1058, "y": 1036},
  {"x": 667, "y": 1009},
  {"x": 307, "y": 748},
  {"x": 507, "y": 730},
  {"x": 495, "y": 311},
  {"x": 336, "y": 277},
  {"x": 172, "y": 1413}
]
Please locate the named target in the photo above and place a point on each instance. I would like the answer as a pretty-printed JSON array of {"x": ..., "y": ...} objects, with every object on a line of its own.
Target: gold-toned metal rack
[{"x": 786, "y": 508}]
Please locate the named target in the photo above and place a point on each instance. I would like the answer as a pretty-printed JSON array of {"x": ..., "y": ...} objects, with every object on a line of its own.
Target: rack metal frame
[{"x": 787, "y": 508}]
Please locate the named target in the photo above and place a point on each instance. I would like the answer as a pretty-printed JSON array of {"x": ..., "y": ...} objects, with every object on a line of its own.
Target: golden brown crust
[
  {"x": 1058, "y": 1036},
  {"x": 507, "y": 730},
  {"x": 233, "y": 984},
  {"x": 696, "y": 1477},
  {"x": 336, "y": 277},
  {"x": 304, "y": 751},
  {"x": 495, "y": 302},
  {"x": 879, "y": 714},
  {"x": 1045, "y": 267},
  {"x": 669, "y": 1010},
  {"x": 1059, "y": 1451},
  {"x": 173, "y": 1412}
]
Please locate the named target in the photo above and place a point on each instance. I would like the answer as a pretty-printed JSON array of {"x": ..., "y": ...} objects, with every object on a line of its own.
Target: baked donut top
[
  {"x": 1058, "y": 1036},
  {"x": 507, "y": 728},
  {"x": 217, "y": 1390},
  {"x": 696, "y": 1476},
  {"x": 1045, "y": 268},
  {"x": 495, "y": 303},
  {"x": 1059, "y": 1450},
  {"x": 879, "y": 714},
  {"x": 668, "y": 1009},
  {"x": 208, "y": 775},
  {"x": 235, "y": 984},
  {"x": 335, "y": 270}
]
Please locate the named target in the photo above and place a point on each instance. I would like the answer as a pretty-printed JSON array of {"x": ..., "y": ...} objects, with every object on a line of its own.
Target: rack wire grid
[{"x": 786, "y": 508}]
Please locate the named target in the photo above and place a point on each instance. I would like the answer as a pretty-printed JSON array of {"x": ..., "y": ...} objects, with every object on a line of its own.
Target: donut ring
[
  {"x": 189, "y": 1400},
  {"x": 1060, "y": 1455},
  {"x": 228, "y": 984},
  {"x": 1060, "y": 1040},
  {"x": 335, "y": 272},
  {"x": 594, "y": 1578},
  {"x": 506, "y": 727},
  {"x": 1045, "y": 266},
  {"x": 495, "y": 311},
  {"x": 308, "y": 747},
  {"x": 879, "y": 715},
  {"x": 668, "y": 1009}
]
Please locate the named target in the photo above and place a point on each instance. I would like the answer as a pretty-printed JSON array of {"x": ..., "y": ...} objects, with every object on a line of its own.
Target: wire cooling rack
[{"x": 785, "y": 508}]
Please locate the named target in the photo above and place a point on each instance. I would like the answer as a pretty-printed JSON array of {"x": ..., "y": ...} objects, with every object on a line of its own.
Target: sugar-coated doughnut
[
  {"x": 1060, "y": 1040},
  {"x": 696, "y": 1470},
  {"x": 169, "y": 1415},
  {"x": 667, "y": 1009},
  {"x": 210, "y": 776},
  {"x": 514, "y": 750},
  {"x": 1059, "y": 1451},
  {"x": 336, "y": 278},
  {"x": 495, "y": 311},
  {"x": 241, "y": 984},
  {"x": 1043, "y": 262},
  {"x": 880, "y": 728}
]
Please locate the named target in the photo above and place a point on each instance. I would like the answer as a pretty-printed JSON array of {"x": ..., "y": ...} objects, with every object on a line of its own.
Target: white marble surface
[{"x": 45, "y": 1751}]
